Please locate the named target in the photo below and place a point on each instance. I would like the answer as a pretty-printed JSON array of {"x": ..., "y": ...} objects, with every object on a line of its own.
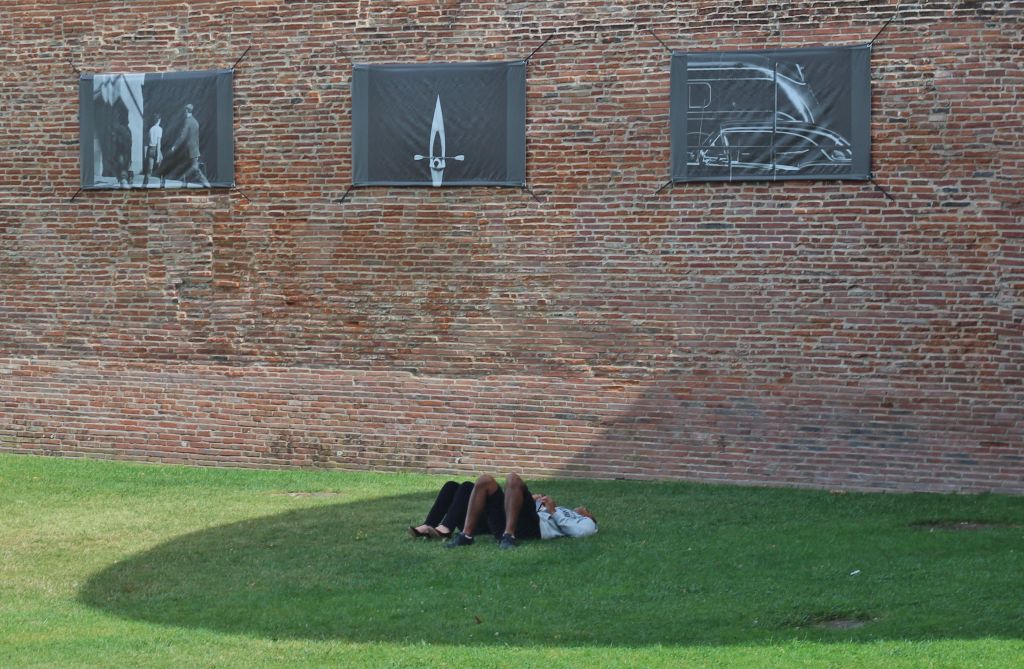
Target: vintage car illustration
[
  {"x": 766, "y": 147},
  {"x": 754, "y": 116},
  {"x": 749, "y": 85}
]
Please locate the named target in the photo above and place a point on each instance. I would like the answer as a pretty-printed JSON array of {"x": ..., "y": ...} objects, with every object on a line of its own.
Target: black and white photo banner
[
  {"x": 439, "y": 124},
  {"x": 772, "y": 115},
  {"x": 167, "y": 130}
]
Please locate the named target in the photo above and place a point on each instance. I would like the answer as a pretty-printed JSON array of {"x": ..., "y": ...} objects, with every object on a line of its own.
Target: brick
[{"x": 807, "y": 334}]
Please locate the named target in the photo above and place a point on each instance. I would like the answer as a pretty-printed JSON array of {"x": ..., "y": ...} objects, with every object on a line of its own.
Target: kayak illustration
[{"x": 436, "y": 153}]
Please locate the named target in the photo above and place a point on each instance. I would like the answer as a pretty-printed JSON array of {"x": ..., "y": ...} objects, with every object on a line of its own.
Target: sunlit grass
[{"x": 114, "y": 564}]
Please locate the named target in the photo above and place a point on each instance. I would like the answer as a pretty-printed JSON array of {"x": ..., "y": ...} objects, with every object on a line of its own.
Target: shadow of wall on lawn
[{"x": 347, "y": 571}]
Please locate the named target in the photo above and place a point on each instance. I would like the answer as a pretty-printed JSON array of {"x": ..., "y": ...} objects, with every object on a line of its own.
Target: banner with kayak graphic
[{"x": 439, "y": 124}]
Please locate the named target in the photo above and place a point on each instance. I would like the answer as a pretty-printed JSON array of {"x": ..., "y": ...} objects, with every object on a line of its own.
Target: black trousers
[
  {"x": 450, "y": 506},
  {"x": 452, "y": 503}
]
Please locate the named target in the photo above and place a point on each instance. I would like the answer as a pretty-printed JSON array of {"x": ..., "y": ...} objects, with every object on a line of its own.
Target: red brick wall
[{"x": 810, "y": 334}]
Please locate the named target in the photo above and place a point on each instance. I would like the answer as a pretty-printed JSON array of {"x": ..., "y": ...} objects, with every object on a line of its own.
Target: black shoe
[
  {"x": 459, "y": 539},
  {"x": 507, "y": 541}
]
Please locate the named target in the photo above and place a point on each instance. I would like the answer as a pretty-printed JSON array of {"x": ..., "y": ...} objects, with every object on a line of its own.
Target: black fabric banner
[
  {"x": 439, "y": 124},
  {"x": 168, "y": 130},
  {"x": 772, "y": 115}
]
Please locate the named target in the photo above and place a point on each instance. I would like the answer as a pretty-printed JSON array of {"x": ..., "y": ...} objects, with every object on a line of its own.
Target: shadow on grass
[{"x": 725, "y": 573}]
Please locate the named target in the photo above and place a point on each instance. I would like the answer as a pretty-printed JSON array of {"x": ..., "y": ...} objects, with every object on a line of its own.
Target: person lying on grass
[{"x": 507, "y": 514}]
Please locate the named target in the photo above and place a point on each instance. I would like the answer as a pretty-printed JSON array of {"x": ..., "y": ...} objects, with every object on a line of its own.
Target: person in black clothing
[
  {"x": 508, "y": 514},
  {"x": 122, "y": 143},
  {"x": 481, "y": 507},
  {"x": 448, "y": 512},
  {"x": 189, "y": 138}
]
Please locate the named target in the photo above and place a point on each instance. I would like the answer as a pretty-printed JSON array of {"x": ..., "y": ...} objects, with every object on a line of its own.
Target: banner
[
  {"x": 439, "y": 124},
  {"x": 772, "y": 115},
  {"x": 170, "y": 130}
]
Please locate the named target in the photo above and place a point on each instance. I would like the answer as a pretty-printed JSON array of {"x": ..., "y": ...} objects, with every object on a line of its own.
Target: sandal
[{"x": 429, "y": 533}]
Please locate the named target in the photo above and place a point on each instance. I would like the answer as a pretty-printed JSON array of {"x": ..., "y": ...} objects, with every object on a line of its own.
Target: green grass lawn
[{"x": 120, "y": 565}]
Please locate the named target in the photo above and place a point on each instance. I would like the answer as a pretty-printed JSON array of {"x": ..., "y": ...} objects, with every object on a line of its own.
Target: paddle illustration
[{"x": 437, "y": 157}]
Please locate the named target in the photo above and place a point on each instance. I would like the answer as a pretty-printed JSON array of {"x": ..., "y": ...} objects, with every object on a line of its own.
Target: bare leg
[
  {"x": 514, "y": 493},
  {"x": 484, "y": 487}
]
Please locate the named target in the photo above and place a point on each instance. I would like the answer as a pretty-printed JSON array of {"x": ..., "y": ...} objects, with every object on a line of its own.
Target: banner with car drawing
[
  {"x": 439, "y": 124},
  {"x": 772, "y": 115}
]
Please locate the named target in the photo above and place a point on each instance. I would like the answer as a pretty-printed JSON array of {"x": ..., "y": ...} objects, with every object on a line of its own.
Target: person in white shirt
[
  {"x": 518, "y": 514},
  {"x": 558, "y": 521},
  {"x": 154, "y": 152}
]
